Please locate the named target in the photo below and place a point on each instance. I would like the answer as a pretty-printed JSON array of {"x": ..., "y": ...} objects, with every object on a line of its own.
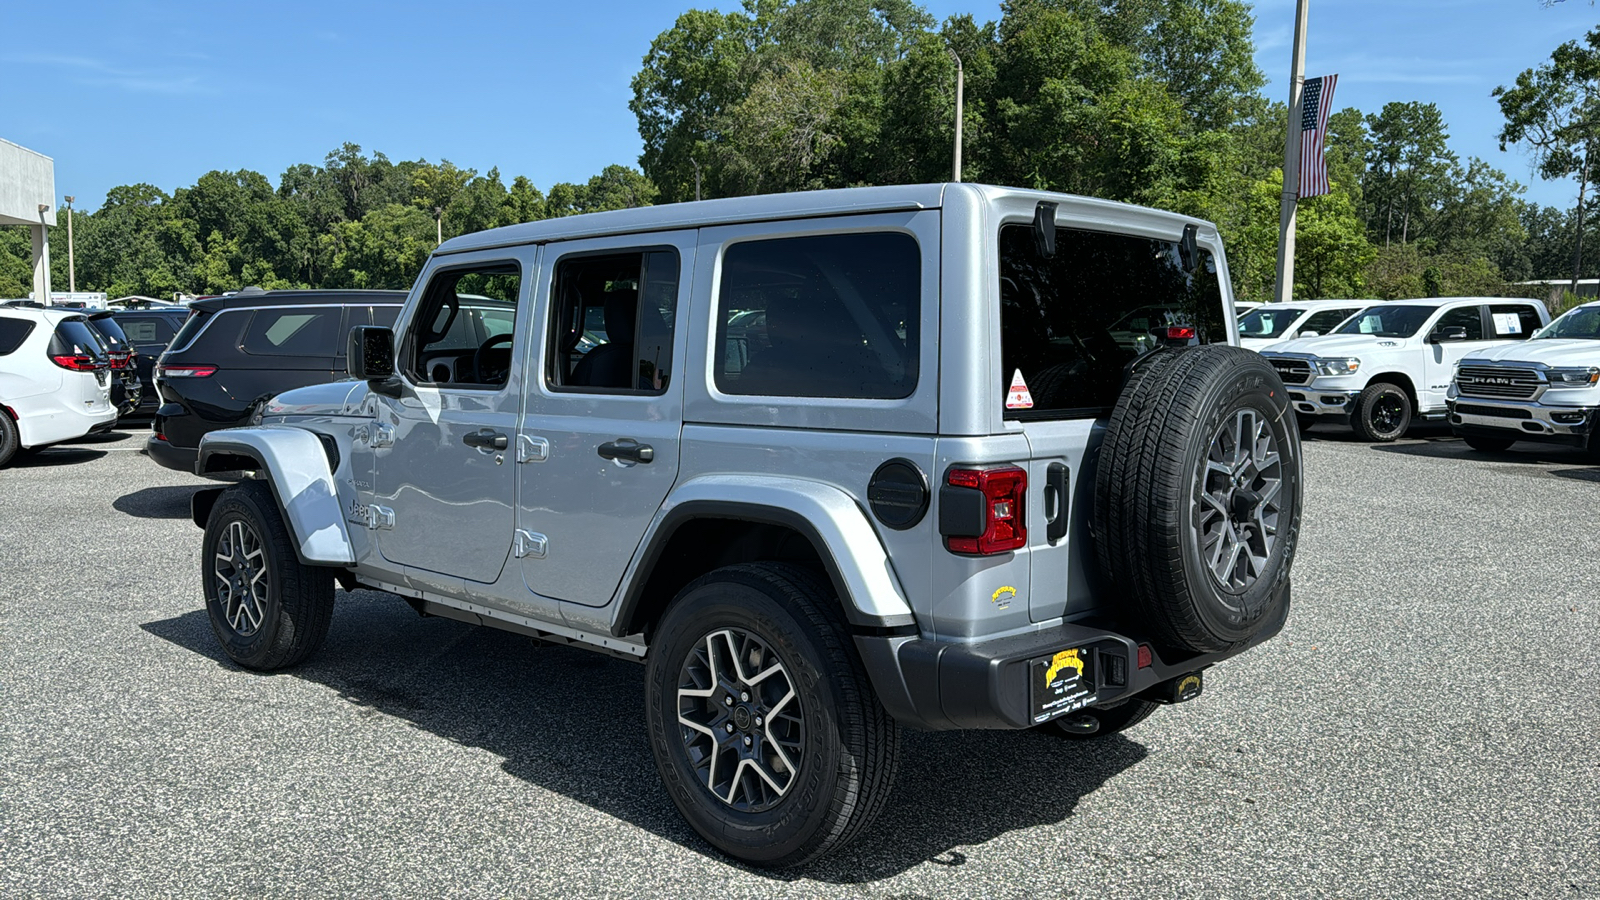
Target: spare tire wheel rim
[
  {"x": 1240, "y": 500},
  {"x": 240, "y": 568},
  {"x": 740, "y": 720}
]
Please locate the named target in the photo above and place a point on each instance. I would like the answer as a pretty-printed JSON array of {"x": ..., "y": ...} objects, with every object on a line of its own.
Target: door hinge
[
  {"x": 532, "y": 449},
  {"x": 383, "y": 436},
  {"x": 531, "y": 545},
  {"x": 380, "y": 517}
]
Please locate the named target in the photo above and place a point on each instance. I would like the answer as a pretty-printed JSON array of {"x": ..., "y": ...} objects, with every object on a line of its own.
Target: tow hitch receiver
[{"x": 1177, "y": 690}]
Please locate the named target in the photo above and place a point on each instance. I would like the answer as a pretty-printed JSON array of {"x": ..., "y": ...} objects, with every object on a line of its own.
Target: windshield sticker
[
  {"x": 1018, "y": 397},
  {"x": 1507, "y": 323}
]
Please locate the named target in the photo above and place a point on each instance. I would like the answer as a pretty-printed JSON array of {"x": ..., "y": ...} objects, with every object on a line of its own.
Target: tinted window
[
  {"x": 1468, "y": 317},
  {"x": 12, "y": 333},
  {"x": 1268, "y": 322},
  {"x": 114, "y": 337},
  {"x": 827, "y": 316},
  {"x": 1514, "y": 321},
  {"x": 614, "y": 317},
  {"x": 1325, "y": 320},
  {"x": 191, "y": 327},
  {"x": 293, "y": 331},
  {"x": 1388, "y": 321},
  {"x": 365, "y": 315},
  {"x": 451, "y": 341},
  {"x": 74, "y": 337},
  {"x": 1070, "y": 324},
  {"x": 153, "y": 330}
]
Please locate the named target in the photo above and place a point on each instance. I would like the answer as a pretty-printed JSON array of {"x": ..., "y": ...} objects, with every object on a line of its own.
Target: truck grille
[
  {"x": 1292, "y": 371},
  {"x": 1499, "y": 412},
  {"x": 1514, "y": 382}
]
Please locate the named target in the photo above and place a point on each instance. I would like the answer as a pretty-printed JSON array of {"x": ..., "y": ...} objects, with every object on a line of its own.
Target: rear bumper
[
  {"x": 941, "y": 685},
  {"x": 181, "y": 459},
  {"x": 1523, "y": 420}
]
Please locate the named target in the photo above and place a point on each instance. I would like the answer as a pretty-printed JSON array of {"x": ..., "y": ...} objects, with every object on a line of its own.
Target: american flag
[{"x": 1316, "y": 102}]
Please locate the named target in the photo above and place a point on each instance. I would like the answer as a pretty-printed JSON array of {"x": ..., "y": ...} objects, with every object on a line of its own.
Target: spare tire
[{"x": 1198, "y": 496}]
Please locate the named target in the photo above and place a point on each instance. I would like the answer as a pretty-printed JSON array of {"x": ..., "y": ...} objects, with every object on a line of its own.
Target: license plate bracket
[{"x": 1060, "y": 683}]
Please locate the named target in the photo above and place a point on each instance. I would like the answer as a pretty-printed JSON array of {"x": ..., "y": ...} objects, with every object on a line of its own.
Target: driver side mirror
[
  {"x": 369, "y": 357},
  {"x": 1309, "y": 334},
  {"x": 1448, "y": 334}
]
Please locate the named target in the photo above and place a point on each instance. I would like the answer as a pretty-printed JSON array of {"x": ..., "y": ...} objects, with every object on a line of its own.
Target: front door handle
[
  {"x": 628, "y": 449},
  {"x": 484, "y": 439}
]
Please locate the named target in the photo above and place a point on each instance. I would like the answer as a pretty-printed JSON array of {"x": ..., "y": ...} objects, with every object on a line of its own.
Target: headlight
[
  {"x": 1573, "y": 378},
  {"x": 1341, "y": 366}
]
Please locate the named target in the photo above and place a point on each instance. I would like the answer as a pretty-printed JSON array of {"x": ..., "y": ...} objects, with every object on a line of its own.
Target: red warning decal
[{"x": 1018, "y": 397}]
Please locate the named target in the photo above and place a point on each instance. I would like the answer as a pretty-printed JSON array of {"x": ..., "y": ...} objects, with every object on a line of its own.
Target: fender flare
[
  {"x": 298, "y": 470},
  {"x": 830, "y": 519}
]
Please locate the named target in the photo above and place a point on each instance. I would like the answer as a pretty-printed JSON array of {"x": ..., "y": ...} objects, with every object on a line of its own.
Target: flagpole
[{"x": 1284, "y": 289}]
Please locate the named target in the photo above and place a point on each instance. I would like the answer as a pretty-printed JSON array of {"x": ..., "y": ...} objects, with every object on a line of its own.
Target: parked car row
[{"x": 55, "y": 378}]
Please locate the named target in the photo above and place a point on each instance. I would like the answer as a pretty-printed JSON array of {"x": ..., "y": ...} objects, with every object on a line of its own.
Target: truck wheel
[
  {"x": 764, "y": 726},
  {"x": 1382, "y": 413},
  {"x": 10, "y": 440},
  {"x": 1091, "y": 723},
  {"x": 1488, "y": 444},
  {"x": 268, "y": 609},
  {"x": 1198, "y": 497}
]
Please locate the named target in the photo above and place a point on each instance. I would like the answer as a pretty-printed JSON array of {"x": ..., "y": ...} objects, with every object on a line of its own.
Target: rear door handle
[
  {"x": 1055, "y": 502},
  {"x": 628, "y": 449},
  {"x": 484, "y": 439}
]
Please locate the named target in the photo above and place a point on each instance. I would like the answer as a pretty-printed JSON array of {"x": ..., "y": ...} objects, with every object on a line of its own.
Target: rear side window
[
  {"x": 191, "y": 327},
  {"x": 613, "y": 321},
  {"x": 74, "y": 337},
  {"x": 12, "y": 333},
  {"x": 826, "y": 316},
  {"x": 293, "y": 331},
  {"x": 1070, "y": 324},
  {"x": 113, "y": 334},
  {"x": 1514, "y": 321},
  {"x": 1468, "y": 317},
  {"x": 148, "y": 330}
]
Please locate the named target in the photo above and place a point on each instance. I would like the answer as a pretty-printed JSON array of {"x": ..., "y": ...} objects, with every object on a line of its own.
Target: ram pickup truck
[
  {"x": 1545, "y": 389},
  {"x": 1392, "y": 362}
]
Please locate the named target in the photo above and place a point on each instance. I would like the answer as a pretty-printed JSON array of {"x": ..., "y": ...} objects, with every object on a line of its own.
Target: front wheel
[
  {"x": 10, "y": 440},
  {"x": 1381, "y": 413},
  {"x": 764, "y": 726},
  {"x": 267, "y": 608}
]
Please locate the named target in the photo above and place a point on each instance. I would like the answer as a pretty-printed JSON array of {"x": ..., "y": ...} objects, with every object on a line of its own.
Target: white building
[{"x": 27, "y": 197}]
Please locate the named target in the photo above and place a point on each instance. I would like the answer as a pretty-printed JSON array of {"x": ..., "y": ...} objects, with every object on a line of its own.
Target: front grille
[
  {"x": 1473, "y": 409},
  {"x": 1513, "y": 382},
  {"x": 1292, "y": 371}
]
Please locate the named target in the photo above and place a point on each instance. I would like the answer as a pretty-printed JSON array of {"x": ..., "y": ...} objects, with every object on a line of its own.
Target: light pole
[
  {"x": 1284, "y": 289},
  {"x": 960, "y": 90},
  {"x": 438, "y": 224},
  {"x": 72, "y": 266}
]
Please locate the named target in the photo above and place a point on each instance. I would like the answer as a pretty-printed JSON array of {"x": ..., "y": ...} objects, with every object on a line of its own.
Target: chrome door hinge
[
  {"x": 380, "y": 517},
  {"x": 531, "y": 545},
  {"x": 383, "y": 436},
  {"x": 532, "y": 449}
]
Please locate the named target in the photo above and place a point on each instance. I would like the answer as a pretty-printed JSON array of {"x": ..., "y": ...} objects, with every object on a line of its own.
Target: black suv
[
  {"x": 234, "y": 353},
  {"x": 126, "y": 391},
  {"x": 149, "y": 331}
]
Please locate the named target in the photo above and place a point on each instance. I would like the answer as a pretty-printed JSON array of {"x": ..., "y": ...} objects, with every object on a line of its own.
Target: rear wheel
[
  {"x": 1382, "y": 413},
  {"x": 764, "y": 726},
  {"x": 10, "y": 441},
  {"x": 1488, "y": 444},
  {"x": 268, "y": 609}
]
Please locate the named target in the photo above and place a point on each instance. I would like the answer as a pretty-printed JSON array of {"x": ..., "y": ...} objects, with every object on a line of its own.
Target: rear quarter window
[
  {"x": 12, "y": 333},
  {"x": 294, "y": 331},
  {"x": 832, "y": 315}
]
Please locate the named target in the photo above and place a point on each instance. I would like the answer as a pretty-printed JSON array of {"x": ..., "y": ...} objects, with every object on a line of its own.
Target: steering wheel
[{"x": 478, "y": 354}]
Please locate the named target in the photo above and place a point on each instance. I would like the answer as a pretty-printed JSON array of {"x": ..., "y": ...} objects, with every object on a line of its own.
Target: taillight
[
  {"x": 78, "y": 362},
  {"x": 185, "y": 371},
  {"x": 1180, "y": 333},
  {"x": 998, "y": 525},
  {"x": 120, "y": 359}
]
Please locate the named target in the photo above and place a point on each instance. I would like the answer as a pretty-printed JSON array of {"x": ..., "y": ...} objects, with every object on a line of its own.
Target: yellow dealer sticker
[
  {"x": 1066, "y": 659},
  {"x": 1002, "y": 596}
]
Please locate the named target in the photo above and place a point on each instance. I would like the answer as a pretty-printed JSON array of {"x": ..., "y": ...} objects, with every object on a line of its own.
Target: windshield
[
  {"x": 1388, "y": 321},
  {"x": 1267, "y": 322},
  {"x": 1582, "y": 323}
]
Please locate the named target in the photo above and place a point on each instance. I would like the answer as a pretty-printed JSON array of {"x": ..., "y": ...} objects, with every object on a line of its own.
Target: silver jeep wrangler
[{"x": 828, "y": 464}]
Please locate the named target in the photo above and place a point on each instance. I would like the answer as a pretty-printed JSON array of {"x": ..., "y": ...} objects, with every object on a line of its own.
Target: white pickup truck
[
  {"x": 1270, "y": 323},
  {"x": 1394, "y": 361},
  {"x": 1547, "y": 389}
]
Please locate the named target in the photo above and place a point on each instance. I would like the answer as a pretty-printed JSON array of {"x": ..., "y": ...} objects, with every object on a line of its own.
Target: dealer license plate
[{"x": 1060, "y": 684}]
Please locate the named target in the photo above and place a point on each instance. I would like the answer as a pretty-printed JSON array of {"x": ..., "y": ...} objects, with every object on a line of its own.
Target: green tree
[
  {"x": 1554, "y": 111},
  {"x": 1409, "y": 166},
  {"x": 384, "y": 249}
]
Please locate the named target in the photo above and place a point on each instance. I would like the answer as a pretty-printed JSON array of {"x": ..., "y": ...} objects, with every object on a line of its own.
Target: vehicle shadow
[
  {"x": 157, "y": 502},
  {"x": 1592, "y": 473},
  {"x": 561, "y": 718},
  {"x": 105, "y": 437},
  {"x": 54, "y": 455},
  {"x": 1528, "y": 452},
  {"x": 1423, "y": 431}
]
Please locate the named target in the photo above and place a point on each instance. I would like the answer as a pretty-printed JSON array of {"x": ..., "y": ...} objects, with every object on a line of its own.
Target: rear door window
[
  {"x": 1514, "y": 321},
  {"x": 832, "y": 315},
  {"x": 1070, "y": 324},
  {"x": 12, "y": 333},
  {"x": 613, "y": 318}
]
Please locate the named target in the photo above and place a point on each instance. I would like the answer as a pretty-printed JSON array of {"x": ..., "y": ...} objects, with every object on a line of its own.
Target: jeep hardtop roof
[
  {"x": 247, "y": 298},
  {"x": 803, "y": 204}
]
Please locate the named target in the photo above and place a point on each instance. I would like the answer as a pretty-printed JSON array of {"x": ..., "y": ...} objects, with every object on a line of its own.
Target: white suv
[
  {"x": 54, "y": 379},
  {"x": 1394, "y": 361},
  {"x": 1270, "y": 323}
]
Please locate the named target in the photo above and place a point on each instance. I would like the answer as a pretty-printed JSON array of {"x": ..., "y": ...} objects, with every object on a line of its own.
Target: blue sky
[{"x": 162, "y": 92}]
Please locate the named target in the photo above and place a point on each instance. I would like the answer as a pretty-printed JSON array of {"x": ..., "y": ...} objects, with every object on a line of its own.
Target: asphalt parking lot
[{"x": 1428, "y": 724}]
